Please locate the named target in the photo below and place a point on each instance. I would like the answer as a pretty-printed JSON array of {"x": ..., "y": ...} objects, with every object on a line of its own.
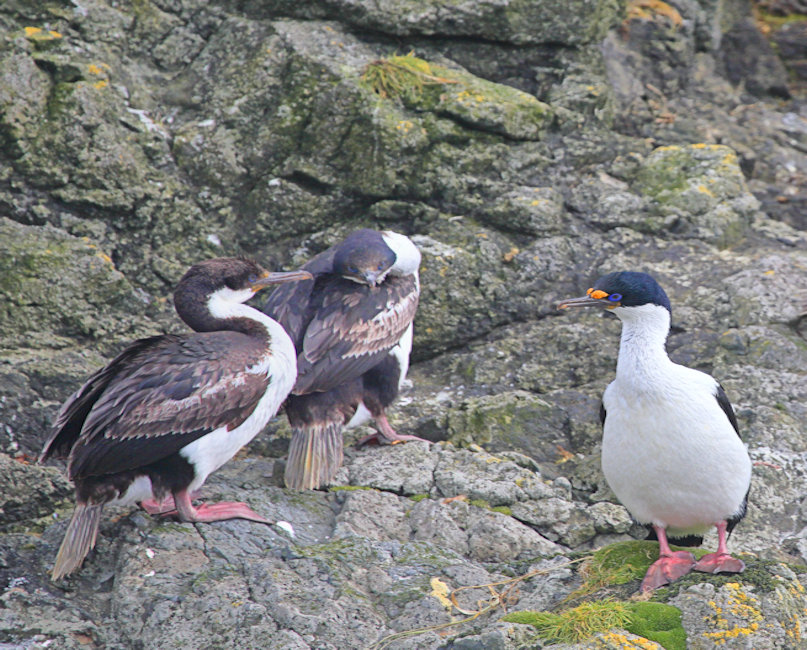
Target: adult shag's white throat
[{"x": 671, "y": 449}]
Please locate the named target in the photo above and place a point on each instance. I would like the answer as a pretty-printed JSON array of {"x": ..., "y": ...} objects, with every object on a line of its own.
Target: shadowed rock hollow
[{"x": 526, "y": 147}]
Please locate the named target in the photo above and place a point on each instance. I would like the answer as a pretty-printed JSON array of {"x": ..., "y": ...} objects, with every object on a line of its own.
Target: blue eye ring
[
  {"x": 352, "y": 269},
  {"x": 380, "y": 266},
  {"x": 615, "y": 297}
]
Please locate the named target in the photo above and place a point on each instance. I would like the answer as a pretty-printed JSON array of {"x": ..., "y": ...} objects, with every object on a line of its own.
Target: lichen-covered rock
[
  {"x": 55, "y": 288},
  {"x": 527, "y": 148},
  {"x": 697, "y": 191}
]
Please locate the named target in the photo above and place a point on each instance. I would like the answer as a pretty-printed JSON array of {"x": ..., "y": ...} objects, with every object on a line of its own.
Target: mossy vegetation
[
  {"x": 402, "y": 77},
  {"x": 616, "y": 564},
  {"x": 653, "y": 621},
  {"x": 467, "y": 100},
  {"x": 576, "y": 624}
]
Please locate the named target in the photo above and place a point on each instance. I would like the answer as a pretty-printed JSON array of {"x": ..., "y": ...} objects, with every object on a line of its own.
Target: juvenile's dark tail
[
  {"x": 82, "y": 531},
  {"x": 315, "y": 453}
]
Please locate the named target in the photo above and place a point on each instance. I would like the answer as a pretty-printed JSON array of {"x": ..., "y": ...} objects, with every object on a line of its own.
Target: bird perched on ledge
[
  {"x": 671, "y": 450},
  {"x": 352, "y": 328},
  {"x": 169, "y": 410}
]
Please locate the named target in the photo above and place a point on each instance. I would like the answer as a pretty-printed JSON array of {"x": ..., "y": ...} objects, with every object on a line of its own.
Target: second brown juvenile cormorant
[{"x": 352, "y": 328}]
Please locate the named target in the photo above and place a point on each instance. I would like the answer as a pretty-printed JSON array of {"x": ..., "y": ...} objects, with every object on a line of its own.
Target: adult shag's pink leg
[
  {"x": 720, "y": 562},
  {"x": 207, "y": 512},
  {"x": 669, "y": 566},
  {"x": 387, "y": 435}
]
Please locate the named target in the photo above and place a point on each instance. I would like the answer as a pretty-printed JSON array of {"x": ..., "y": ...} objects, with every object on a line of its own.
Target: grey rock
[{"x": 551, "y": 144}]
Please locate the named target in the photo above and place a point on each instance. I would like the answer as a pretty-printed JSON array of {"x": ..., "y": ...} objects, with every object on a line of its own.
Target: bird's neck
[
  {"x": 224, "y": 311},
  {"x": 642, "y": 349}
]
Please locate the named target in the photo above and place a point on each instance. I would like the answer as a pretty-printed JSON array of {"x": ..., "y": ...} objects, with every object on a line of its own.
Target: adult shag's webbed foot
[
  {"x": 667, "y": 569},
  {"x": 719, "y": 563}
]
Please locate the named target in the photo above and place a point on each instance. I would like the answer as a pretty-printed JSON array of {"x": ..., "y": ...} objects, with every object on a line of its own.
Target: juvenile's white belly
[{"x": 674, "y": 462}]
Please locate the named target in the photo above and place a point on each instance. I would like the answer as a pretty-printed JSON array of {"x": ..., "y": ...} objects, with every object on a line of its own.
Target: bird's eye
[
  {"x": 615, "y": 297},
  {"x": 352, "y": 269},
  {"x": 380, "y": 266},
  {"x": 252, "y": 279}
]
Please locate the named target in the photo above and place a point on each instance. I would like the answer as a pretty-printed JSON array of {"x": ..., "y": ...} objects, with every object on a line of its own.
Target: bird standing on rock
[
  {"x": 671, "y": 450},
  {"x": 169, "y": 410},
  {"x": 352, "y": 328}
]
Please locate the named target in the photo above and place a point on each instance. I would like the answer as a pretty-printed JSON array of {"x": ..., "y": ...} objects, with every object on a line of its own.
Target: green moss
[
  {"x": 469, "y": 101},
  {"x": 756, "y": 573},
  {"x": 653, "y": 621},
  {"x": 577, "y": 624},
  {"x": 417, "y": 498},
  {"x": 658, "y": 622},
  {"x": 619, "y": 564},
  {"x": 776, "y": 22},
  {"x": 503, "y": 510}
]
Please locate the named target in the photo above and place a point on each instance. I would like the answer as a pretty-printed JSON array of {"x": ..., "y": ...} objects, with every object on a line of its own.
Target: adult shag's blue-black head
[
  {"x": 621, "y": 289},
  {"x": 364, "y": 257}
]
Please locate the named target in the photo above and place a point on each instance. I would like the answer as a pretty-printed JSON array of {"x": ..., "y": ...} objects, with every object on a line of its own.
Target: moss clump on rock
[
  {"x": 458, "y": 95},
  {"x": 653, "y": 621}
]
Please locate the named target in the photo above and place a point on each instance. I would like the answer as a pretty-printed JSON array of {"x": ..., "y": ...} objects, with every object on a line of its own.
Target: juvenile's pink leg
[
  {"x": 389, "y": 435},
  {"x": 214, "y": 511}
]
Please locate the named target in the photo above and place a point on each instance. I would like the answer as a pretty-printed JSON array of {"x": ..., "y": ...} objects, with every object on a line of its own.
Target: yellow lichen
[
  {"x": 741, "y": 605},
  {"x": 650, "y": 9},
  {"x": 39, "y": 34},
  {"x": 440, "y": 591}
]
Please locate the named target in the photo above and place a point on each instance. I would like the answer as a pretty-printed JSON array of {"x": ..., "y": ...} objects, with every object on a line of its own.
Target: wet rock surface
[{"x": 526, "y": 147}]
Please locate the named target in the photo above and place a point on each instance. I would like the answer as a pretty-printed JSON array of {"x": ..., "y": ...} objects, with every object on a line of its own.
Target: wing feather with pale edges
[
  {"x": 352, "y": 330},
  {"x": 164, "y": 396}
]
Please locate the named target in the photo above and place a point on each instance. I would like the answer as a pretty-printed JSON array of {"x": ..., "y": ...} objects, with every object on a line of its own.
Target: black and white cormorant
[
  {"x": 352, "y": 328},
  {"x": 671, "y": 450},
  {"x": 169, "y": 410}
]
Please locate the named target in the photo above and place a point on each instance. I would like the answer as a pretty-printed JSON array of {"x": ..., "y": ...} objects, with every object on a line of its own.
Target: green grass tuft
[
  {"x": 575, "y": 624},
  {"x": 401, "y": 77},
  {"x": 653, "y": 621}
]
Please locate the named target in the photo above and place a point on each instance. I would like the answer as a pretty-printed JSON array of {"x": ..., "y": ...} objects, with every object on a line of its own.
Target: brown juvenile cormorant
[
  {"x": 169, "y": 410},
  {"x": 352, "y": 328}
]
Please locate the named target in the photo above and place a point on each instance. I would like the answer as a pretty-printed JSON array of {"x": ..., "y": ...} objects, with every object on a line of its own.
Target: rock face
[{"x": 526, "y": 147}]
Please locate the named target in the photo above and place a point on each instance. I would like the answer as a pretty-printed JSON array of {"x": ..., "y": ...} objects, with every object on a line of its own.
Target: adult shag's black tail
[{"x": 685, "y": 540}]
